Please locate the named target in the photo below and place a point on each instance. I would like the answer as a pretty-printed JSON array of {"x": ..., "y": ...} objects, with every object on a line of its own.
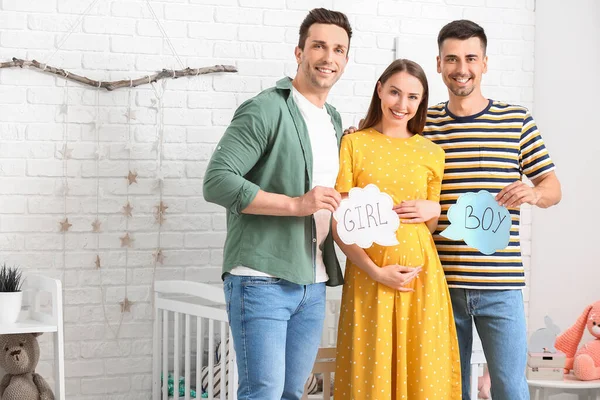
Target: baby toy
[{"x": 585, "y": 361}]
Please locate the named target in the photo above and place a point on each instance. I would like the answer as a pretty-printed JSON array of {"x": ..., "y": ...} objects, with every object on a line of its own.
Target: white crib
[
  {"x": 190, "y": 318},
  {"x": 191, "y": 323}
]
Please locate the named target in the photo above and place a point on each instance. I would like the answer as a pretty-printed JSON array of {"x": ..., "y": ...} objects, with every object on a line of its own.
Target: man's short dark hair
[
  {"x": 323, "y": 16},
  {"x": 462, "y": 29}
]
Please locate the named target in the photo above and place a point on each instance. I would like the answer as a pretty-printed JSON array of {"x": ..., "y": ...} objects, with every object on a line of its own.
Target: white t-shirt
[{"x": 323, "y": 143}]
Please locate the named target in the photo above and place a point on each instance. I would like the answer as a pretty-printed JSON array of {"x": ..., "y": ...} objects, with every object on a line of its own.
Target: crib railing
[{"x": 194, "y": 314}]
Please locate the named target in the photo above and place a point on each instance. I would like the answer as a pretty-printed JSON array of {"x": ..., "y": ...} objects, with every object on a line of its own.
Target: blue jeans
[
  {"x": 276, "y": 327},
  {"x": 500, "y": 321}
]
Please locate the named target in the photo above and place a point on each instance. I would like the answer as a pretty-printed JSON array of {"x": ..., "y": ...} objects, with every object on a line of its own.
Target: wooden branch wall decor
[{"x": 164, "y": 74}]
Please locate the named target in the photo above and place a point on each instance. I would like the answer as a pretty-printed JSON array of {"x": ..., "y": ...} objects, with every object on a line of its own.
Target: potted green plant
[{"x": 11, "y": 296}]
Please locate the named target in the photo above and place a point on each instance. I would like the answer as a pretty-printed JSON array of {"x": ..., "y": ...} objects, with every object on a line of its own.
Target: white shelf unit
[{"x": 35, "y": 318}]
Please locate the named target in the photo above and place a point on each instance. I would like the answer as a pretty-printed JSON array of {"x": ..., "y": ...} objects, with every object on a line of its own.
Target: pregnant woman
[{"x": 396, "y": 338}]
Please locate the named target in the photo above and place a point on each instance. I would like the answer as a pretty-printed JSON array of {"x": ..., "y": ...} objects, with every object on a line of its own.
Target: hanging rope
[
  {"x": 69, "y": 33},
  {"x": 164, "y": 34}
]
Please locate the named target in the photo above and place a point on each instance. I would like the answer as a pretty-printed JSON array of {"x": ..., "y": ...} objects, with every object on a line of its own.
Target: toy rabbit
[
  {"x": 543, "y": 339},
  {"x": 585, "y": 361}
]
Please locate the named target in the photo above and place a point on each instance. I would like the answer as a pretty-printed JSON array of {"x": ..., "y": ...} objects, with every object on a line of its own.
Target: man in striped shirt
[{"x": 489, "y": 146}]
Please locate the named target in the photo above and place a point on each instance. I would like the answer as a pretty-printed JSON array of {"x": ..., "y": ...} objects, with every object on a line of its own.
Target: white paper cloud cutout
[{"x": 367, "y": 217}]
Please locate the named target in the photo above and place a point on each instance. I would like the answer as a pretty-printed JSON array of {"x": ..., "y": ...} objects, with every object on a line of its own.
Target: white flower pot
[{"x": 10, "y": 306}]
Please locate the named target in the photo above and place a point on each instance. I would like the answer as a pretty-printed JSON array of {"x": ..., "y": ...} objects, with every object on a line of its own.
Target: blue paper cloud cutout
[{"x": 480, "y": 221}]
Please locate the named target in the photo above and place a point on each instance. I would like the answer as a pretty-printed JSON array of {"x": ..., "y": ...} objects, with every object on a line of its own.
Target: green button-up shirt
[{"x": 267, "y": 147}]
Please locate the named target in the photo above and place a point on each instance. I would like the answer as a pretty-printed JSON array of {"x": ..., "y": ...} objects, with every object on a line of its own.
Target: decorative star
[
  {"x": 63, "y": 109},
  {"x": 100, "y": 153},
  {"x": 127, "y": 208},
  {"x": 130, "y": 115},
  {"x": 159, "y": 257},
  {"x": 97, "y": 262},
  {"x": 126, "y": 241},
  {"x": 126, "y": 305},
  {"x": 96, "y": 225},
  {"x": 65, "y": 152},
  {"x": 161, "y": 208},
  {"x": 65, "y": 225},
  {"x": 132, "y": 177},
  {"x": 160, "y": 180}
]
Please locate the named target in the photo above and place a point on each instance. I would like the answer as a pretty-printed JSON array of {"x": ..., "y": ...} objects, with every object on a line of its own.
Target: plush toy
[
  {"x": 19, "y": 357},
  {"x": 585, "y": 362},
  {"x": 484, "y": 384}
]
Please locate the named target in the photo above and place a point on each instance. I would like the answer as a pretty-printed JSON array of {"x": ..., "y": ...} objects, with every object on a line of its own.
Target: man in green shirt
[{"x": 274, "y": 171}]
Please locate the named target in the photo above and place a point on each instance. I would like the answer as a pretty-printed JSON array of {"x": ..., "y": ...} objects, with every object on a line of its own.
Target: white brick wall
[{"x": 120, "y": 40}]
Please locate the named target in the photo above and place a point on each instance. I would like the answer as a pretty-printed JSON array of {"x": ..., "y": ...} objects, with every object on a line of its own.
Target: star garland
[
  {"x": 127, "y": 240},
  {"x": 97, "y": 224},
  {"x": 160, "y": 209},
  {"x": 65, "y": 154}
]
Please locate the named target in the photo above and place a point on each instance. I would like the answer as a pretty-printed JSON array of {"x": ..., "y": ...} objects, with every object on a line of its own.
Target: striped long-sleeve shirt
[{"x": 486, "y": 151}]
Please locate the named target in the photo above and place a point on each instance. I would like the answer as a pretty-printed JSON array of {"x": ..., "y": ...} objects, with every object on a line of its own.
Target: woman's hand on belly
[
  {"x": 417, "y": 211},
  {"x": 396, "y": 276}
]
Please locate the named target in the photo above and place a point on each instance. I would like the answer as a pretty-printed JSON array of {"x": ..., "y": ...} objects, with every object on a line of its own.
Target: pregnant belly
[{"x": 414, "y": 241}]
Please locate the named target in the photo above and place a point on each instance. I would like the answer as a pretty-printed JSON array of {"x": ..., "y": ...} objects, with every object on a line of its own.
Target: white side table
[
  {"x": 541, "y": 390},
  {"x": 37, "y": 320}
]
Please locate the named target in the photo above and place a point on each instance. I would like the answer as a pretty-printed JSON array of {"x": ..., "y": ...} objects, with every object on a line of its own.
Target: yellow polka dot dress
[{"x": 396, "y": 345}]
